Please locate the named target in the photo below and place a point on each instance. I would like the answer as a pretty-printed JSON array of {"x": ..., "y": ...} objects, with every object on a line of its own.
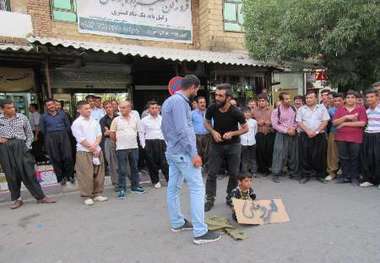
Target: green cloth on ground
[{"x": 221, "y": 223}]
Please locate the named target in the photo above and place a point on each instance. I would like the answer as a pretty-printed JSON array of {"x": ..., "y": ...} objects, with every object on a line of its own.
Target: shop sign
[{"x": 163, "y": 20}]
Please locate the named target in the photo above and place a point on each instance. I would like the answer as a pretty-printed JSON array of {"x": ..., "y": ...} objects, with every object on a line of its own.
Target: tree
[{"x": 342, "y": 36}]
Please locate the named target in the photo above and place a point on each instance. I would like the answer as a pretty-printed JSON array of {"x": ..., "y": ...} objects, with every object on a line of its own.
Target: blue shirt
[
  {"x": 332, "y": 111},
  {"x": 177, "y": 126},
  {"x": 56, "y": 123},
  {"x": 198, "y": 119}
]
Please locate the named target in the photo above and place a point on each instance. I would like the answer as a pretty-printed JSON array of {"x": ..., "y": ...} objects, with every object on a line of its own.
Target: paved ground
[{"x": 329, "y": 223}]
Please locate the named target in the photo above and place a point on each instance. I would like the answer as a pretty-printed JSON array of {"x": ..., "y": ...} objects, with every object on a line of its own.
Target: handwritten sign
[
  {"x": 164, "y": 20},
  {"x": 260, "y": 212}
]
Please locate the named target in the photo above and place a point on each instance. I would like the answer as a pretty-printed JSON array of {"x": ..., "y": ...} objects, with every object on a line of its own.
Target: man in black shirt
[
  {"x": 222, "y": 121},
  {"x": 108, "y": 145}
]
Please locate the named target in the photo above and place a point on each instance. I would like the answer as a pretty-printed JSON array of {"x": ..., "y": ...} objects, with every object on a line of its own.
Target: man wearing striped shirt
[{"x": 371, "y": 146}]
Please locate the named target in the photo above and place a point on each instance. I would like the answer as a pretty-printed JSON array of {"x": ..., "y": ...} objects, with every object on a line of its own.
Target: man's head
[
  {"x": 115, "y": 105},
  {"x": 234, "y": 102},
  {"x": 331, "y": 99},
  {"x": 223, "y": 94},
  {"x": 84, "y": 109},
  {"x": 108, "y": 108},
  {"x": 372, "y": 97},
  {"x": 325, "y": 96},
  {"x": 247, "y": 113},
  {"x": 311, "y": 98},
  {"x": 98, "y": 102},
  {"x": 338, "y": 100},
  {"x": 359, "y": 99},
  {"x": 252, "y": 104},
  {"x": 125, "y": 108},
  {"x": 284, "y": 97},
  {"x": 298, "y": 101},
  {"x": 51, "y": 105},
  {"x": 190, "y": 85},
  {"x": 350, "y": 98},
  {"x": 202, "y": 104},
  {"x": 153, "y": 108},
  {"x": 376, "y": 86},
  {"x": 33, "y": 107},
  {"x": 194, "y": 105},
  {"x": 8, "y": 107},
  {"x": 59, "y": 104},
  {"x": 245, "y": 182},
  {"x": 262, "y": 101},
  {"x": 91, "y": 100}
]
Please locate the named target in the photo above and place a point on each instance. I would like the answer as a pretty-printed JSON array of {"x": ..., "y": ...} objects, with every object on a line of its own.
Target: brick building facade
[{"x": 68, "y": 64}]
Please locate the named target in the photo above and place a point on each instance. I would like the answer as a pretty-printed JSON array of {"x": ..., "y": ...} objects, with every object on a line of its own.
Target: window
[
  {"x": 64, "y": 10},
  {"x": 4, "y": 5},
  {"x": 233, "y": 16}
]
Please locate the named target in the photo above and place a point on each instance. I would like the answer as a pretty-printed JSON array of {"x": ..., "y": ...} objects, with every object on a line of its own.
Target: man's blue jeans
[
  {"x": 180, "y": 168},
  {"x": 124, "y": 158}
]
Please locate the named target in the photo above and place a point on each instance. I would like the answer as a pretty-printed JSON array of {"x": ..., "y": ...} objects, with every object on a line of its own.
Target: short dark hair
[
  {"x": 97, "y": 97},
  {"x": 282, "y": 94},
  {"x": 81, "y": 103},
  {"x": 311, "y": 92},
  {"x": 241, "y": 177},
  {"x": 197, "y": 99},
  {"x": 376, "y": 84},
  {"x": 298, "y": 97},
  {"x": 351, "y": 93},
  {"x": 263, "y": 96},
  {"x": 246, "y": 109},
  {"x": 325, "y": 91},
  {"x": 150, "y": 103},
  {"x": 227, "y": 89},
  {"x": 106, "y": 102},
  {"x": 338, "y": 95},
  {"x": 5, "y": 102},
  {"x": 190, "y": 80},
  {"x": 34, "y": 105},
  {"x": 371, "y": 91},
  {"x": 89, "y": 97}
]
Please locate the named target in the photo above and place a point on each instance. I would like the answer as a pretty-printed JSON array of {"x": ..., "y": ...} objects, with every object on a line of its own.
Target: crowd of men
[{"x": 303, "y": 139}]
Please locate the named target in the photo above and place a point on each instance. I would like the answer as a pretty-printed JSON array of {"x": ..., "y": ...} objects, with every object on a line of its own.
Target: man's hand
[
  {"x": 228, "y": 136},
  {"x": 93, "y": 148},
  {"x": 341, "y": 125},
  {"x": 97, "y": 153},
  {"x": 352, "y": 117},
  {"x": 261, "y": 122},
  {"x": 217, "y": 137},
  {"x": 197, "y": 161},
  {"x": 3, "y": 140},
  {"x": 291, "y": 131}
]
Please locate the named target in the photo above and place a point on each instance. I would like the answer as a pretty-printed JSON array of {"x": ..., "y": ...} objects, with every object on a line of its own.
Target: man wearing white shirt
[
  {"x": 124, "y": 129},
  {"x": 312, "y": 118},
  {"x": 152, "y": 140},
  {"x": 89, "y": 164},
  {"x": 96, "y": 112}
]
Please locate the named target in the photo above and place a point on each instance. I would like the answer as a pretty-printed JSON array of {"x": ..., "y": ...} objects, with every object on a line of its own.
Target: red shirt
[{"x": 350, "y": 134}]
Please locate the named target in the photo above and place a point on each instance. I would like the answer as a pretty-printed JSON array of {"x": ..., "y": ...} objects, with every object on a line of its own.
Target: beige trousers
[
  {"x": 90, "y": 177},
  {"x": 332, "y": 155}
]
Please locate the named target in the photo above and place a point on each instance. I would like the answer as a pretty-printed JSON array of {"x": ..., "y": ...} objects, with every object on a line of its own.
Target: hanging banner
[{"x": 163, "y": 20}]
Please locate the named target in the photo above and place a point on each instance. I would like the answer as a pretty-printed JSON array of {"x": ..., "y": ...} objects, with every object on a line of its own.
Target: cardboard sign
[{"x": 260, "y": 212}]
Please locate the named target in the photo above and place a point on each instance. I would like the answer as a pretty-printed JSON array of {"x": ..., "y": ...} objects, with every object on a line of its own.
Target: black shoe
[
  {"x": 276, "y": 179},
  {"x": 209, "y": 237},
  {"x": 304, "y": 180},
  {"x": 322, "y": 180},
  {"x": 208, "y": 205},
  {"x": 186, "y": 226},
  {"x": 343, "y": 181}
]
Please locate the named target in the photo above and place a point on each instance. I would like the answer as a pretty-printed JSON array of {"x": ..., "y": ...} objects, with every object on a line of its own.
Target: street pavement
[{"x": 328, "y": 223}]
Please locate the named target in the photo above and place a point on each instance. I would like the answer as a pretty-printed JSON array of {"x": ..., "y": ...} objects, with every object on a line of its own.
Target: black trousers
[
  {"x": 248, "y": 160},
  {"x": 313, "y": 153},
  {"x": 156, "y": 160},
  {"x": 349, "y": 154},
  {"x": 203, "y": 146},
  {"x": 217, "y": 154},
  {"x": 370, "y": 158},
  {"x": 18, "y": 164},
  {"x": 58, "y": 147},
  {"x": 264, "y": 151}
]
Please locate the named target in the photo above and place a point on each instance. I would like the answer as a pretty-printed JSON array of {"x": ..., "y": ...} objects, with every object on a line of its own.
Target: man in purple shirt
[
  {"x": 184, "y": 162},
  {"x": 285, "y": 150}
]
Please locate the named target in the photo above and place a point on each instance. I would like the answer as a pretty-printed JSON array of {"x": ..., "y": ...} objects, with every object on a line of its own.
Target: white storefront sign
[{"x": 163, "y": 20}]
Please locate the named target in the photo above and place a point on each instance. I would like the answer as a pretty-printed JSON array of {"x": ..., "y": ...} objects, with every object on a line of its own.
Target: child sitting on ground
[{"x": 244, "y": 191}]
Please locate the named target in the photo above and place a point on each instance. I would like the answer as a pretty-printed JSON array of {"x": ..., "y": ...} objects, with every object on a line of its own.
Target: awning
[
  {"x": 15, "y": 47},
  {"x": 228, "y": 58}
]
